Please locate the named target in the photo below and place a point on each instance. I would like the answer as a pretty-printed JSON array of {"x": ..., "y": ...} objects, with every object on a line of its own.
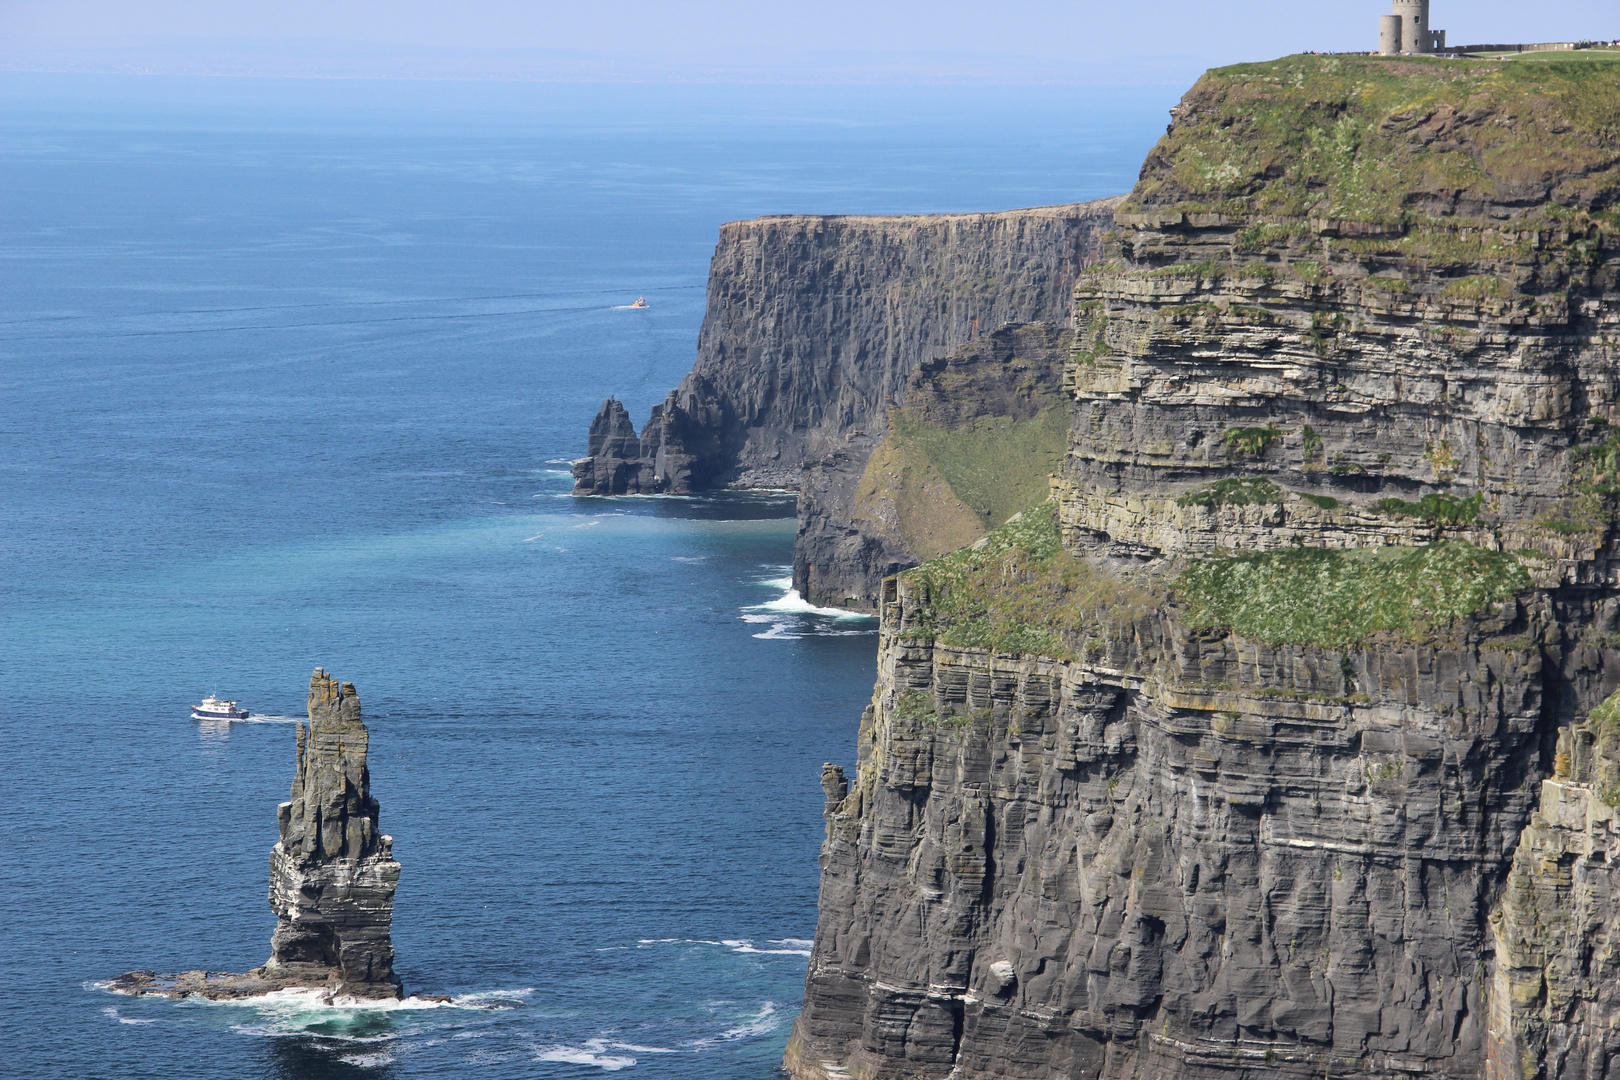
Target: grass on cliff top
[
  {"x": 1019, "y": 593},
  {"x": 1339, "y": 598},
  {"x": 1391, "y": 140}
]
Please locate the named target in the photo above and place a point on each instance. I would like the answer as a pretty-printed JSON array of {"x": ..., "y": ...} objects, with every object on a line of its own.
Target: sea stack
[{"x": 332, "y": 874}]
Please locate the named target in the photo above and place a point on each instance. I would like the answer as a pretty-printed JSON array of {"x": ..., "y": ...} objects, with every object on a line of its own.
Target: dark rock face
[
  {"x": 332, "y": 874},
  {"x": 1163, "y": 849},
  {"x": 1118, "y": 868},
  {"x": 617, "y": 461},
  {"x": 815, "y": 323}
]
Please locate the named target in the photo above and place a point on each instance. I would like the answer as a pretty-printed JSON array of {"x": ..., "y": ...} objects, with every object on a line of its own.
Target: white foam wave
[
  {"x": 558, "y": 472},
  {"x": 492, "y": 999},
  {"x": 112, "y": 1011},
  {"x": 767, "y": 1019},
  {"x": 559, "y": 461},
  {"x": 749, "y": 947},
  {"x": 792, "y": 603},
  {"x": 788, "y": 613},
  {"x": 592, "y": 1053},
  {"x": 689, "y": 558},
  {"x": 762, "y": 1022},
  {"x": 368, "y": 1061},
  {"x": 789, "y": 946}
]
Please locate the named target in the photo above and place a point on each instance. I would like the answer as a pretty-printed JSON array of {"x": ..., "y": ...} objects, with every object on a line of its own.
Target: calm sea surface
[{"x": 290, "y": 374}]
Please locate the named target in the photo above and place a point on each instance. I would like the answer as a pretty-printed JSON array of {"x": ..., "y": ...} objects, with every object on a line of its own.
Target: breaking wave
[{"x": 791, "y": 616}]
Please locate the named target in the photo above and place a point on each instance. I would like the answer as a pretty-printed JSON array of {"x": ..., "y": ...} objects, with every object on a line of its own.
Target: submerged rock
[{"x": 332, "y": 874}]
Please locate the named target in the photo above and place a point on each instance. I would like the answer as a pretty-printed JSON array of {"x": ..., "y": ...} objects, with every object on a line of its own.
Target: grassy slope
[
  {"x": 1021, "y": 593},
  {"x": 948, "y": 486},
  {"x": 995, "y": 465},
  {"x": 923, "y": 508}
]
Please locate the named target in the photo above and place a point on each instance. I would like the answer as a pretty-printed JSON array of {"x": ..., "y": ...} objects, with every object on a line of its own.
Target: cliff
[
  {"x": 1240, "y": 756},
  {"x": 814, "y": 324},
  {"x": 332, "y": 874}
]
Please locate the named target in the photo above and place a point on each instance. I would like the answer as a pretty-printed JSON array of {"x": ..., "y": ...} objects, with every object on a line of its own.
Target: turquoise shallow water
[{"x": 289, "y": 376}]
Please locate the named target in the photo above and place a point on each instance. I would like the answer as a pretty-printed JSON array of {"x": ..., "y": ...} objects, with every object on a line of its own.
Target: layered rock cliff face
[
  {"x": 1554, "y": 1006},
  {"x": 333, "y": 873},
  {"x": 1266, "y": 745},
  {"x": 814, "y": 324}
]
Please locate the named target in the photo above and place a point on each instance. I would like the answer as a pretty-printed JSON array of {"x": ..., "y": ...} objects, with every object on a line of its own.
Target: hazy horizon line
[{"x": 328, "y": 58}]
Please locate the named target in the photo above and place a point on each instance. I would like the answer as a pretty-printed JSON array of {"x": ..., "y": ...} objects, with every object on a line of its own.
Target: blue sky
[{"x": 1014, "y": 41}]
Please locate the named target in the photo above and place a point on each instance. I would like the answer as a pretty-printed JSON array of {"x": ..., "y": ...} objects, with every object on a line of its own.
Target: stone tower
[{"x": 1406, "y": 30}]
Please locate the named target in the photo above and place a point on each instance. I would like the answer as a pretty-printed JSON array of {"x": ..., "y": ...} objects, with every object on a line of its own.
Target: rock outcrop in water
[
  {"x": 1268, "y": 745},
  {"x": 332, "y": 874}
]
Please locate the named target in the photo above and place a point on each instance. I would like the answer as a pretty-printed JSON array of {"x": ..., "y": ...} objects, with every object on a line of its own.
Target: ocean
[{"x": 292, "y": 374}]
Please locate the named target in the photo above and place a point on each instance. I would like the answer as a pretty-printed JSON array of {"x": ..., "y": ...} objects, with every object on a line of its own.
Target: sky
[{"x": 1080, "y": 42}]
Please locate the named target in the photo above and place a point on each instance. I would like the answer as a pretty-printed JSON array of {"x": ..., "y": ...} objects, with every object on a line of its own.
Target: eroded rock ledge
[{"x": 332, "y": 874}]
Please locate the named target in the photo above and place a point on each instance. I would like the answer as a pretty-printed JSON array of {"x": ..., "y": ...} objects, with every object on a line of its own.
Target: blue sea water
[{"x": 290, "y": 375}]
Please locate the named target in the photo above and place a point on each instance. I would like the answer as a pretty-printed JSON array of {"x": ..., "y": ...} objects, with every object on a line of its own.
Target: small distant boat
[
  {"x": 213, "y": 708},
  {"x": 641, "y": 301}
]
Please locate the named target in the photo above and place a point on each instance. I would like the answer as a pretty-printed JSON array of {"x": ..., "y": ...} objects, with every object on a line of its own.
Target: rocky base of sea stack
[{"x": 226, "y": 986}]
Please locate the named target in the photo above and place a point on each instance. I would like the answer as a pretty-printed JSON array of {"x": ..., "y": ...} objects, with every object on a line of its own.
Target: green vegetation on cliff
[
  {"x": 996, "y": 465},
  {"x": 1603, "y": 727},
  {"x": 1392, "y": 140},
  {"x": 1438, "y": 509},
  {"x": 1018, "y": 592},
  {"x": 1234, "y": 491},
  {"x": 1337, "y": 598}
]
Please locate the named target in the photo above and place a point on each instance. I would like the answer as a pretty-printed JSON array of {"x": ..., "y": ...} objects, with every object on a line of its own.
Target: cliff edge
[{"x": 1270, "y": 744}]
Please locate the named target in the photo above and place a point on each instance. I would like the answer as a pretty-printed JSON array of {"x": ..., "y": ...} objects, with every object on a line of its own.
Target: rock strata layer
[
  {"x": 1271, "y": 745},
  {"x": 332, "y": 874}
]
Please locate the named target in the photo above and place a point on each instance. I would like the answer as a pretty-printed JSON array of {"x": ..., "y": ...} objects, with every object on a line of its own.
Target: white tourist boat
[{"x": 213, "y": 708}]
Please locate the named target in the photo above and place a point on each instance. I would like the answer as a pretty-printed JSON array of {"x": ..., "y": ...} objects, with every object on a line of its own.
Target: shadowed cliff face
[
  {"x": 333, "y": 874},
  {"x": 1264, "y": 747},
  {"x": 814, "y": 326}
]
